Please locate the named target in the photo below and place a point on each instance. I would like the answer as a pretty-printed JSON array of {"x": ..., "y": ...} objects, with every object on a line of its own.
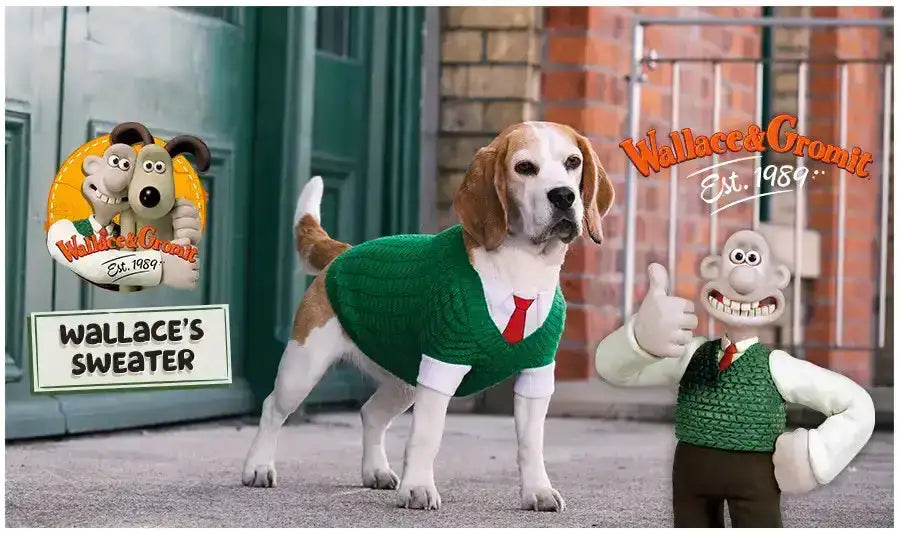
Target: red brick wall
[
  {"x": 861, "y": 265},
  {"x": 583, "y": 84},
  {"x": 581, "y": 68}
]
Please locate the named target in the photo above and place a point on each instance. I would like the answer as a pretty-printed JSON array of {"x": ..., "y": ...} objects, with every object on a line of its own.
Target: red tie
[
  {"x": 727, "y": 357},
  {"x": 515, "y": 328}
]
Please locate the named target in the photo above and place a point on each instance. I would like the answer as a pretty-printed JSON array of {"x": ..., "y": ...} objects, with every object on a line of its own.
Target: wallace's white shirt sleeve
[
  {"x": 95, "y": 267},
  {"x": 848, "y": 408},
  {"x": 622, "y": 362}
]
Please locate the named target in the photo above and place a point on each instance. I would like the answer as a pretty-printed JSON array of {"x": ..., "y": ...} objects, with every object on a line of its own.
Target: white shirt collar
[
  {"x": 500, "y": 304},
  {"x": 495, "y": 291},
  {"x": 741, "y": 345},
  {"x": 96, "y": 225}
]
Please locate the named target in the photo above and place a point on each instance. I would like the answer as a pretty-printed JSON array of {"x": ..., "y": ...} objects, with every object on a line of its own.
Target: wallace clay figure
[{"x": 730, "y": 415}]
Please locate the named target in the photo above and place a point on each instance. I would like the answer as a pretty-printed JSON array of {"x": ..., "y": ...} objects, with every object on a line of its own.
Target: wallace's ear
[
  {"x": 480, "y": 202},
  {"x": 597, "y": 193},
  {"x": 782, "y": 276},
  {"x": 91, "y": 165},
  {"x": 710, "y": 267}
]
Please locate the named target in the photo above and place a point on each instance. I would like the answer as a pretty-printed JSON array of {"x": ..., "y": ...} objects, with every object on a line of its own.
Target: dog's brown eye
[
  {"x": 572, "y": 163},
  {"x": 526, "y": 167}
]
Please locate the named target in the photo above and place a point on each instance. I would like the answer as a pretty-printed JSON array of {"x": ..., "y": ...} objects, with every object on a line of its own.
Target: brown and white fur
[{"x": 517, "y": 227}]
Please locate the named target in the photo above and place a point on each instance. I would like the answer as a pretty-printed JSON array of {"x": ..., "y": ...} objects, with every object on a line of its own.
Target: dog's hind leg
[
  {"x": 391, "y": 399},
  {"x": 317, "y": 342}
]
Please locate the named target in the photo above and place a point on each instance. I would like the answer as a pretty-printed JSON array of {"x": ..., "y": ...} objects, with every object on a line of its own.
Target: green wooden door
[
  {"x": 34, "y": 39},
  {"x": 278, "y": 94},
  {"x": 352, "y": 82},
  {"x": 344, "y": 53},
  {"x": 176, "y": 71}
]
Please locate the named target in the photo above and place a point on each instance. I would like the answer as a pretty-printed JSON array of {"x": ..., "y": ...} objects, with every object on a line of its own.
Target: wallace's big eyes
[
  {"x": 572, "y": 163},
  {"x": 526, "y": 167}
]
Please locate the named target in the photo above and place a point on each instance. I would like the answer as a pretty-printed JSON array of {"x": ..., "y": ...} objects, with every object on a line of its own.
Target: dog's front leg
[
  {"x": 417, "y": 489},
  {"x": 537, "y": 493}
]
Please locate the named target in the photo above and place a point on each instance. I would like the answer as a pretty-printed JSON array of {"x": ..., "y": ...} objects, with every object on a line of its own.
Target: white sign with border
[{"x": 167, "y": 347}]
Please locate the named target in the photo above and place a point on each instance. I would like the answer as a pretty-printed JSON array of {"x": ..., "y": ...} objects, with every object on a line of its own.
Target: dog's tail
[{"x": 315, "y": 246}]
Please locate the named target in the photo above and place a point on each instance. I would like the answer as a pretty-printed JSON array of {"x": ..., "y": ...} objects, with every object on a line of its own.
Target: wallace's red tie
[
  {"x": 727, "y": 357},
  {"x": 515, "y": 328}
]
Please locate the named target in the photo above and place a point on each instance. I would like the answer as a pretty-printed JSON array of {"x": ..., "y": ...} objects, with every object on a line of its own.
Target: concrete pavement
[{"x": 611, "y": 473}]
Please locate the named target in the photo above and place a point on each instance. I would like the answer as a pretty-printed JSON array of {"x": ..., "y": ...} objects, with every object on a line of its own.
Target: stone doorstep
[{"x": 597, "y": 399}]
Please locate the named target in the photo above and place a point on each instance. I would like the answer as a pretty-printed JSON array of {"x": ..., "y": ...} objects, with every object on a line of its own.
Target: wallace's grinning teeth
[
  {"x": 107, "y": 200},
  {"x": 756, "y": 308}
]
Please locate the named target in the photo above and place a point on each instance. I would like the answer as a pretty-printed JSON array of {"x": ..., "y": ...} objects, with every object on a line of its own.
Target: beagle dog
[{"x": 456, "y": 312}]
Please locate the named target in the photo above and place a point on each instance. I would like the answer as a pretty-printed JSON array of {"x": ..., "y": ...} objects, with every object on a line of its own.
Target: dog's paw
[
  {"x": 259, "y": 476},
  {"x": 542, "y": 500},
  {"x": 424, "y": 497},
  {"x": 380, "y": 478}
]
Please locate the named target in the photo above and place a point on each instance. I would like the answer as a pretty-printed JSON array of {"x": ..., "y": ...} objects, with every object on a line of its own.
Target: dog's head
[{"x": 537, "y": 180}]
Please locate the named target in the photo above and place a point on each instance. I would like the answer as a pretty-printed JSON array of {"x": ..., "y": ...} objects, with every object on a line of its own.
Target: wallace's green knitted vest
[
  {"x": 83, "y": 226},
  {"x": 737, "y": 409},
  {"x": 403, "y": 296}
]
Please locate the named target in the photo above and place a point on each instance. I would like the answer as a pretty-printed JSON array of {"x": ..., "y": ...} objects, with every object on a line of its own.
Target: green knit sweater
[
  {"x": 736, "y": 409},
  {"x": 405, "y": 296}
]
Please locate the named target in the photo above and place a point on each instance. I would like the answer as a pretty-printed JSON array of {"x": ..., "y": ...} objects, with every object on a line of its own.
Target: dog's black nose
[
  {"x": 561, "y": 197},
  {"x": 149, "y": 197}
]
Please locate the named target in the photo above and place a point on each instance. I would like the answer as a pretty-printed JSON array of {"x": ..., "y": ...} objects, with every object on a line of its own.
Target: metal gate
[{"x": 643, "y": 60}]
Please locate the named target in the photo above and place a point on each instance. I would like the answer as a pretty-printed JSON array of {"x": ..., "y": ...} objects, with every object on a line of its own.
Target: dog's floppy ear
[
  {"x": 597, "y": 192},
  {"x": 480, "y": 202},
  {"x": 130, "y": 133},
  {"x": 191, "y": 145}
]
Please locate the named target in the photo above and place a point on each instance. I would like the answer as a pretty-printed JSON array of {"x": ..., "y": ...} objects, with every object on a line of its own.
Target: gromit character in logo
[
  {"x": 151, "y": 193},
  {"x": 730, "y": 414},
  {"x": 105, "y": 187}
]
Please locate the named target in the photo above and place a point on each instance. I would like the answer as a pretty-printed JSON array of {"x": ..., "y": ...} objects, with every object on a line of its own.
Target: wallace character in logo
[
  {"x": 93, "y": 247},
  {"x": 730, "y": 414}
]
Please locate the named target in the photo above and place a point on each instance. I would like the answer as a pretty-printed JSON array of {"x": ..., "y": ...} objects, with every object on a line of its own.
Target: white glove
[
  {"x": 178, "y": 272},
  {"x": 793, "y": 471},
  {"x": 186, "y": 221},
  {"x": 663, "y": 325}
]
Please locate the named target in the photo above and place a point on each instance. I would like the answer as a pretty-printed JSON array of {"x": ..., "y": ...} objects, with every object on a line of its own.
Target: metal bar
[
  {"x": 786, "y": 22},
  {"x": 634, "y": 108},
  {"x": 713, "y": 216},
  {"x": 757, "y": 114},
  {"x": 673, "y": 181},
  {"x": 820, "y": 60},
  {"x": 842, "y": 218},
  {"x": 885, "y": 197},
  {"x": 799, "y": 212},
  {"x": 824, "y": 346}
]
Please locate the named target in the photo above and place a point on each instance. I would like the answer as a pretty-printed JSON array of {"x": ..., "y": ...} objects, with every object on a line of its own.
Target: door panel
[
  {"x": 340, "y": 150},
  {"x": 176, "y": 71},
  {"x": 34, "y": 41},
  {"x": 350, "y": 68}
]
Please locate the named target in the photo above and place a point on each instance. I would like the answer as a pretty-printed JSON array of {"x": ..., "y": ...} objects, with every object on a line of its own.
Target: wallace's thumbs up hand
[
  {"x": 663, "y": 325},
  {"x": 659, "y": 279}
]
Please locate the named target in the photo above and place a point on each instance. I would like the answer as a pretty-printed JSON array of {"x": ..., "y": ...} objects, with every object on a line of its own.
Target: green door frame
[{"x": 283, "y": 140}]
